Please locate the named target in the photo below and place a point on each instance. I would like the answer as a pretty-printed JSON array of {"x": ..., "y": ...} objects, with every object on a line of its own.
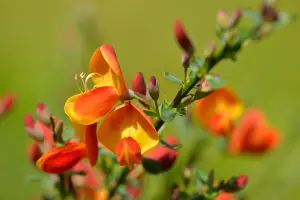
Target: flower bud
[
  {"x": 223, "y": 19},
  {"x": 187, "y": 100},
  {"x": 34, "y": 152},
  {"x": 43, "y": 113},
  {"x": 6, "y": 103},
  {"x": 210, "y": 50},
  {"x": 153, "y": 88},
  {"x": 241, "y": 181},
  {"x": 164, "y": 155},
  {"x": 138, "y": 84},
  {"x": 182, "y": 38},
  {"x": 32, "y": 129},
  {"x": 268, "y": 11},
  {"x": 185, "y": 60},
  {"x": 61, "y": 159},
  {"x": 175, "y": 192},
  {"x": 236, "y": 17},
  {"x": 128, "y": 152}
]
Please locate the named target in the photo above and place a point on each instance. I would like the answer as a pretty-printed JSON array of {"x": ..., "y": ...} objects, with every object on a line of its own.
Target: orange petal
[
  {"x": 127, "y": 120},
  {"x": 105, "y": 63},
  {"x": 87, "y": 108},
  {"x": 128, "y": 152},
  {"x": 91, "y": 143},
  {"x": 61, "y": 159},
  {"x": 220, "y": 100}
]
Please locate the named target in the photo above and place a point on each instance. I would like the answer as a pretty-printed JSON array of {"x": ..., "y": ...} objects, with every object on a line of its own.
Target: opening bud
[
  {"x": 182, "y": 38},
  {"x": 128, "y": 152},
  {"x": 43, "y": 113},
  {"x": 223, "y": 19},
  {"x": 153, "y": 88},
  {"x": 210, "y": 50},
  {"x": 185, "y": 59},
  {"x": 138, "y": 84},
  {"x": 33, "y": 129}
]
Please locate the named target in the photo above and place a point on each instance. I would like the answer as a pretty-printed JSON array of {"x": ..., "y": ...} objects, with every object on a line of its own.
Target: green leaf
[
  {"x": 183, "y": 196},
  {"x": 200, "y": 95},
  {"x": 151, "y": 166},
  {"x": 172, "y": 78},
  {"x": 168, "y": 114},
  {"x": 284, "y": 19},
  {"x": 252, "y": 14},
  {"x": 170, "y": 146},
  {"x": 211, "y": 178},
  {"x": 215, "y": 81},
  {"x": 151, "y": 113},
  {"x": 163, "y": 105}
]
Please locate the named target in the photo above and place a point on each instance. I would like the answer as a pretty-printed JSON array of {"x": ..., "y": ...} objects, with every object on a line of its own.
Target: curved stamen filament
[
  {"x": 76, "y": 79},
  {"x": 84, "y": 80},
  {"x": 90, "y": 76}
]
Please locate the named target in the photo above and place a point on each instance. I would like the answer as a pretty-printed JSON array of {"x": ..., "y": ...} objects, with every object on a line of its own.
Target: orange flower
[
  {"x": 164, "y": 155},
  {"x": 88, "y": 107},
  {"x": 85, "y": 109},
  {"x": 127, "y": 121},
  {"x": 218, "y": 110},
  {"x": 253, "y": 134},
  {"x": 225, "y": 196},
  {"x": 61, "y": 159}
]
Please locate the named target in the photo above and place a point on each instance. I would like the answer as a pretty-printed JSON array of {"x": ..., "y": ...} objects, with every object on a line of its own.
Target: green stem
[{"x": 120, "y": 181}]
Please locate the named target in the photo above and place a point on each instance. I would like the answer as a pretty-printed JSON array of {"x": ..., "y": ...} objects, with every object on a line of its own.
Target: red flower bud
[
  {"x": 34, "y": 152},
  {"x": 153, "y": 88},
  {"x": 268, "y": 11},
  {"x": 128, "y": 152},
  {"x": 6, "y": 103},
  {"x": 182, "y": 38},
  {"x": 241, "y": 181},
  {"x": 164, "y": 155},
  {"x": 61, "y": 159},
  {"x": 138, "y": 84}
]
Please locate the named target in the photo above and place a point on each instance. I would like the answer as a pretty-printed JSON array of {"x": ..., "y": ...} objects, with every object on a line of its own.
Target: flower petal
[
  {"x": 105, "y": 63},
  {"x": 221, "y": 100},
  {"x": 128, "y": 152},
  {"x": 87, "y": 108},
  {"x": 127, "y": 120},
  {"x": 61, "y": 159},
  {"x": 91, "y": 143}
]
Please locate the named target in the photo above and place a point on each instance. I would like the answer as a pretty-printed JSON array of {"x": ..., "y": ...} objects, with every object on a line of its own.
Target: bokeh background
[{"x": 44, "y": 43}]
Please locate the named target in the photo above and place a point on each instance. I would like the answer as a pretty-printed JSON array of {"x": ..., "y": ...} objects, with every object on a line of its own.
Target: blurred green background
[{"x": 44, "y": 43}]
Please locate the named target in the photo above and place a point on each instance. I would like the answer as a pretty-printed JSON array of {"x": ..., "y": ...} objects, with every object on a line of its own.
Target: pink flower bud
[
  {"x": 236, "y": 17},
  {"x": 268, "y": 11},
  {"x": 153, "y": 88},
  {"x": 210, "y": 50},
  {"x": 223, "y": 19},
  {"x": 138, "y": 84},
  {"x": 182, "y": 37},
  {"x": 43, "y": 113},
  {"x": 32, "y": 129}
]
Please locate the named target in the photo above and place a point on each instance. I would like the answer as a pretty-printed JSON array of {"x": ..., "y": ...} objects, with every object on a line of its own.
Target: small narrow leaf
[
  {"x": 253, "y": 15},
  {"x": 151, "y": 166},
  {"x": 284, "y": 19},
  {"x": 211, "y": 178},
  {"x": 200, "y": 95},
  {"x": 172, "y": 78},
  {"x": 170, "y": 146},
  {"x": 214, "y": 81},
  {"x": 168, "y": 114},
  {"x": 151, "y": 113}
]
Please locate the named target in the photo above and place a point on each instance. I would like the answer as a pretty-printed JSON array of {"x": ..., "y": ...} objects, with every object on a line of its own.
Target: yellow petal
[{"x": 127, "y": 120}]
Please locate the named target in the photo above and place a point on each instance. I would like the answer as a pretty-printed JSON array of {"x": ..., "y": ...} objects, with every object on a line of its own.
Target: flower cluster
[{"x": 116, "y": 136}]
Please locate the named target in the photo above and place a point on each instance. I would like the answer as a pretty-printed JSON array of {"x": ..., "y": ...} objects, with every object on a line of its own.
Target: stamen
[
  {"x": 90, "y": 76},
  {"x": 76, "y": 79}
]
